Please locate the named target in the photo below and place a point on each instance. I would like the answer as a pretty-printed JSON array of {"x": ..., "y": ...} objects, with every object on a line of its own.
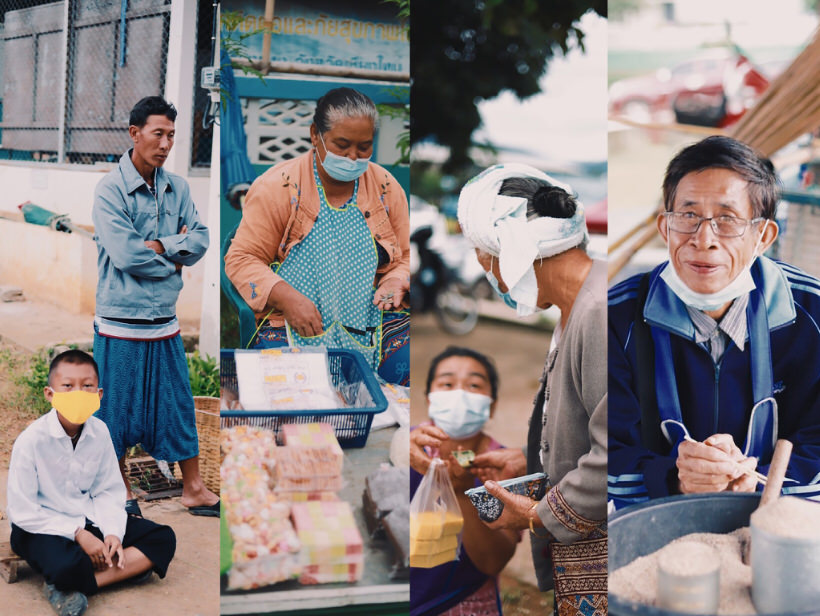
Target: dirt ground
[{"x": 519, "y": 354}]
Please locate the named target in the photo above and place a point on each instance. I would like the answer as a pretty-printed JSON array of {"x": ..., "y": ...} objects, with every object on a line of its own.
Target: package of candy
[
  {"x": 305, "y": 469},
  {"x": 317, "y": 436},
  {"x": 329, "y": 536},
  {"x": 327, "y": 574},
  {"x": 251, "y": 440}
]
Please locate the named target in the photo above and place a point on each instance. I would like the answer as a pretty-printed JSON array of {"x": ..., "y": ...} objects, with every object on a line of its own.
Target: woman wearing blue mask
[
  {"x": 322, "y": 253},
  {"x": 462, "y": 389}
]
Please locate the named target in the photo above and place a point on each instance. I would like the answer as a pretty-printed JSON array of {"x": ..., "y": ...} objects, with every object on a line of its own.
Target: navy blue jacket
[{"x": 716, "y": 398}]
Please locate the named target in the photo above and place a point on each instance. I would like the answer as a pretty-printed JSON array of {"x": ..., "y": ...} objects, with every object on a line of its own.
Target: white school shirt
[{"x": 53, "y": 488}]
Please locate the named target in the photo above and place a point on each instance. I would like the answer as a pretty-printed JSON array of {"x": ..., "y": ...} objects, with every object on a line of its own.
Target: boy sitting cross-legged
[{"x": 66, "y": 499}]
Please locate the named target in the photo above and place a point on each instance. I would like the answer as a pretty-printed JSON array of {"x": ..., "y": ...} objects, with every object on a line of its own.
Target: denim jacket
[{"x": 133, "y": 281}]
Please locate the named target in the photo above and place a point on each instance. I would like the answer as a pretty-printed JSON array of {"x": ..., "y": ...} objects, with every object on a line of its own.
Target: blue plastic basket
[{"x": 351, "y": 424}]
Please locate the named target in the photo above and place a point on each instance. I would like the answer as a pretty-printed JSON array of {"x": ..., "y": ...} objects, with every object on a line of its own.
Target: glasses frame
[{"x": 713, "y": 223}]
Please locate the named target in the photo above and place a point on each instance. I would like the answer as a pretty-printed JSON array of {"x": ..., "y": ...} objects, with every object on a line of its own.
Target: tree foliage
[{"x": 465, "y": 51}]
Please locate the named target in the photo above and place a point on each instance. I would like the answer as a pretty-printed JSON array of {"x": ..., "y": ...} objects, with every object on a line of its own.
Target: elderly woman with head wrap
[
  {"x": 530, "y": 236},
  {"x": 322, "y": 253}
]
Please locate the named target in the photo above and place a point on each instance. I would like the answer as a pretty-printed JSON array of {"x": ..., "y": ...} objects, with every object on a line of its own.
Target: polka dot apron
[{"x": 334, "y": 266}]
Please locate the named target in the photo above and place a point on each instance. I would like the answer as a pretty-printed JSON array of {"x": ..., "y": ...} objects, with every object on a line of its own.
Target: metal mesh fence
[
  {"x": 202, "y": 129},
  {"x": 71, "y": 71}
]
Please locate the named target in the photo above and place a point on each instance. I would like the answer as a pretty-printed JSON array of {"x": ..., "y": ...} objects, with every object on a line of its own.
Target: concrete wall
[
  {"x": 48, "y": 265},
  {"x": 69, "y": 189},
  {"x": 61, "y": 268}
]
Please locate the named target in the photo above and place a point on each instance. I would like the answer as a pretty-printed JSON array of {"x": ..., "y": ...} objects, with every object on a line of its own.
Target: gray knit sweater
[{"x": 573, "y": 439}]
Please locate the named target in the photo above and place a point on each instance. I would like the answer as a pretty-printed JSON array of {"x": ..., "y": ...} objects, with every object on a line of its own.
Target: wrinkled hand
[
  {"x": 709, "y": 466},
  {"x": 516, "y": 508},
  {"x": 183, "y": 231},
  {"x": 392, "y": 294},
  {"x": 114, "y": 552},
  {"x": 96, "y": 549},
  {"x": 499, "y": 464},
  {"x": 300, "y": 313},
  {"x": 745, "y": 483},
  {"x": 421, "y": 437},
  {"x": 156, "y": 246}
]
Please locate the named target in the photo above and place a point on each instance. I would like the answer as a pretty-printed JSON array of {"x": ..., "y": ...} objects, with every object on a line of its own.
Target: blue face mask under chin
[
  {"x": 505, "y": 296},
  {"x": 342, "y": 168}
]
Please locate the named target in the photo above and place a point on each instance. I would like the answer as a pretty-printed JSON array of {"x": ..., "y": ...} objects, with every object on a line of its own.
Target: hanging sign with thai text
[{"x": 327, "y": 34}]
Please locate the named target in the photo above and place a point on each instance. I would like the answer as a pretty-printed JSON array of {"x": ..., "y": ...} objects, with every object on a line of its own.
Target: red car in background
[{"x": 713, "y": 89}]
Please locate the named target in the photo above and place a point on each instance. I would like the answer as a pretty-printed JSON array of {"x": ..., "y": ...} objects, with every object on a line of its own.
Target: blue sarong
[{"x": 147, "y": 396}]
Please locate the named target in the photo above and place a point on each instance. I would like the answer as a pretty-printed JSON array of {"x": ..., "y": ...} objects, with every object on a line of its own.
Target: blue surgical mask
[
  {"x": 341, "y": 168},
  {"x": 505, "y": 296},
  {"x": 742, "y": 284},
  {"x": 461, "y": 414}
]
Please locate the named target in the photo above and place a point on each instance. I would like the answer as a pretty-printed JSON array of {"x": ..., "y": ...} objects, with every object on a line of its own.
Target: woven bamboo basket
[{"x": 207, "y": 428}]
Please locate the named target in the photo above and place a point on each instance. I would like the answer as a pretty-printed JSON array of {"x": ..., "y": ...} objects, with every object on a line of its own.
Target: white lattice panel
[{"x": 277, "y": 129}]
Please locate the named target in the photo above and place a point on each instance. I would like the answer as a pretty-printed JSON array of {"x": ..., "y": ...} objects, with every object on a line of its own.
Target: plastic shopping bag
[{"x": 435, "y": 519}]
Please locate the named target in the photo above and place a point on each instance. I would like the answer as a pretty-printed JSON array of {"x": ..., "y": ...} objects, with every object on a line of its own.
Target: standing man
[
  {"x": 147, "y": 230},
  {"x": 714, "y": 354}
]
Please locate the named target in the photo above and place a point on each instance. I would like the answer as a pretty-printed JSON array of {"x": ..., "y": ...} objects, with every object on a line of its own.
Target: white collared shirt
[{"x": 53, "y": 488}]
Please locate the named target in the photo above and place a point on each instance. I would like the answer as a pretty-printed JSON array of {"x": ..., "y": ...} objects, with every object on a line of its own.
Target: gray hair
[
  {"x": 543, "y": 199},
  {"x": 341, "y": 103}
]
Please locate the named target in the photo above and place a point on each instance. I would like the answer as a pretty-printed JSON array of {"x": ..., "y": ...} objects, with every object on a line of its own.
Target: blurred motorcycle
[{"x": 435, "y": 286}]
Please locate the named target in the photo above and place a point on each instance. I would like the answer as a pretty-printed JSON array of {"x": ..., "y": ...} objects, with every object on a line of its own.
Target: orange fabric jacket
[{"x": 279, "y": 212}]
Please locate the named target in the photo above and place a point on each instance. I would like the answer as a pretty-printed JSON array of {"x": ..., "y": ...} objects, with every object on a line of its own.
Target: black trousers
[{"x": 63, "y": 563}]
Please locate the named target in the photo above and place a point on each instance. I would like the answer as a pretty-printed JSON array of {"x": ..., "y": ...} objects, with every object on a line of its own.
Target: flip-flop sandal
[
  {"x": 210, "y": 511},
  {"x": 132, "y": 508}
]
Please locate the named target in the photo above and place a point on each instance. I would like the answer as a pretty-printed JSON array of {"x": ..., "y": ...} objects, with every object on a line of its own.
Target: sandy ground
[{"x": 519, "y": 354}]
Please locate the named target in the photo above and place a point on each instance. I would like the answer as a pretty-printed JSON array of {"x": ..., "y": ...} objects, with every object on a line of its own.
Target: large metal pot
[{"x": 642, "y": 529}]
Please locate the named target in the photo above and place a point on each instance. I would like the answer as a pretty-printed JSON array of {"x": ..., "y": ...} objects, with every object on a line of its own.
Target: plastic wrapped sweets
[
  {"x": 310, "y": 461},
  {"x": 250, "y": 440},
  {"x": 331, "y": 542},
  {"x": 265, "y": 546}
]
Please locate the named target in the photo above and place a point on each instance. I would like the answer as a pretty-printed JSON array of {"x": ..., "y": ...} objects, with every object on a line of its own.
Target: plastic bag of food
[{"x": 435, "y": 519}]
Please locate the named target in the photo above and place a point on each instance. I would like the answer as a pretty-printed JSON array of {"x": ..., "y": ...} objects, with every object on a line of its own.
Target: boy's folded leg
[
  {"x": 156, "y": 541},
  {"x": 72, "y": 603},
  {"x": 61, "y": 562}
]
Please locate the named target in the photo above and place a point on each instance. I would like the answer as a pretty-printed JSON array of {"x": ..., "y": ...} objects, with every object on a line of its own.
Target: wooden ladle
[{"x": 774, "y": 483}]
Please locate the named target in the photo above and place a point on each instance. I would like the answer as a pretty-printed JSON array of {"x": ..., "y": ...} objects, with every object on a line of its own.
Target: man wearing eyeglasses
[{"x": 715, "y": 353}]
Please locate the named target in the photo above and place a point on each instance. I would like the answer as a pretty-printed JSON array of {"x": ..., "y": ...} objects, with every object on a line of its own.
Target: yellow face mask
[{"x": 76, "y": 406}]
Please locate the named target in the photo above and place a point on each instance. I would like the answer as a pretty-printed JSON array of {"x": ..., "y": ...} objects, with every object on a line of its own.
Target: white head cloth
[{"x": 498, "y": 225}]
